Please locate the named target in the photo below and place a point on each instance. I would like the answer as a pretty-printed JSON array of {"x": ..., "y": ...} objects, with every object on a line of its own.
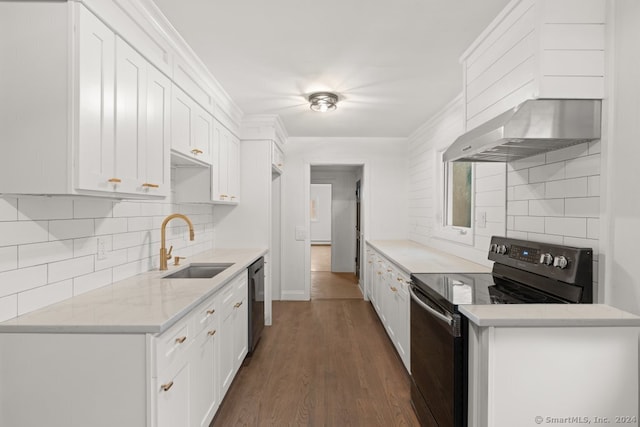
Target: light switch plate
[
  {"x": 102, "y": 249},
  {"x": 301, "y": 233}
]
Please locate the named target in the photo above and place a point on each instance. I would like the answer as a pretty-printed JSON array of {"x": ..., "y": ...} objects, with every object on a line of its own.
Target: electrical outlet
[
  {"x": 102, "y": 249},
  {"x": 482, "y": 219}
]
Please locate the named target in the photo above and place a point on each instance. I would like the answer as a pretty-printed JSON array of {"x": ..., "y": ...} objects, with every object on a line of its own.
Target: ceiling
[{"x": 393, "y": 63}]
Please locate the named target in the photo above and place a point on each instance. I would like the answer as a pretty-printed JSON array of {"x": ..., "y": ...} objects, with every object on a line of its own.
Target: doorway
[{"x": 334, "y": 241}]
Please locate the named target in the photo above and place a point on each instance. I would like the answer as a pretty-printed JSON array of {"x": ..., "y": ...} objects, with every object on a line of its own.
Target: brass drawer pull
[
  {"x": 115, "y": 180},
  {"x": 399, "y": 279},
  {"x": 181, "y": 339},
  {"x": 237, "y": 305},
  {"x": 196, "y": 151},
  {"x": 394, "y": 289},
  {"x": 211, "y": 333},
  {"x": 148, "y": 185},
  {"x": 210, "y": 312},
  {"x": 167, "y": 386}
]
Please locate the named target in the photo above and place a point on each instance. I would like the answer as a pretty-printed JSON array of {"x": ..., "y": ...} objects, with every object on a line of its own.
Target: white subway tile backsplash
[
  {"x": 490, "y": 183},
  {"x": 8, "y": 307},
  {"x": 92, "y": 208},
  {"x": 583, "y": 166},
  {"x": 37, "y": 208},
  {"x": 68, "y": 269},
  {"x": 565, "y": 226},
  {"x": 87, "y": 246},
  {"x": 528, "y": 162},
  {"x": 529, "y": 192},
  {"x": 127, "y": 240},
  {"x": 584, "y": 243},
  {"x": 550, "y": 172},
  {"x": 14, "y": 281},
  {"x": 514, "y": 234},
  {"x": 113, "y": 259},
  {"x": 126, "y": 209},
  {"x": 8, "y": 209},
  {"x": 23, "y": 232},
  {"x": 44, "y": 253},
  {"x": 593, "y": 228},
  {"x": 547, "y": 207},
  {"x": 529, "y": 224},
  {"x": 71, "y": 229},
  {"x": 576, "y": 187},
  {"x": 583, "y": 207},
  {"x": 518, "y": 177},
  {"x": 568, "y": 153},
  {"x": 43, "y": 296},
  {"x": 111, "y": 226},
  {"x": 518, "y": 207},
  {"x": 152, "y": 209},
  {"x": 8, "y": 258},
  {"x": 593, "y": 186},
  {"x": 91, "y": 281},
  {"x": 595, "y": 147},
  {"x": 131, "y": 269},
  {"x": 139, "y": 224},
  {"x": 546, "y": 238}
]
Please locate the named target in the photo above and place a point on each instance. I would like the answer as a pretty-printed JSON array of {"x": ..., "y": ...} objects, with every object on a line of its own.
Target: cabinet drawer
[
  {"x": 205, "y": 315},
  {"x": 172, "y": 344}
]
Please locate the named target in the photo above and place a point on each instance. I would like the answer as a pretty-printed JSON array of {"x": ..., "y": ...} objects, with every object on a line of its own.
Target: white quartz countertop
[
  {"x": 559, "y": 315},
  {"x": 145, "y": 303},
  {"x": 416, "y": 258}
]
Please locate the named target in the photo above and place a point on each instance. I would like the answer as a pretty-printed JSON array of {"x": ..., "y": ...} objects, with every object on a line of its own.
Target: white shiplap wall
[
  {"x": 48, "y": 245},
  {"x": 490, "y": 187},
  {"x": 555, "y": 197}
]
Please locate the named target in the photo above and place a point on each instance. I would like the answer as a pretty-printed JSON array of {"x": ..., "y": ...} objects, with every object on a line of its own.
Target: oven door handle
[{"x": 448, "y": 320}]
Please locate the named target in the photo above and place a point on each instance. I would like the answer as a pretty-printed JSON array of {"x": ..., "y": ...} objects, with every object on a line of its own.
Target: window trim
[{"x": 441, "y": 230}]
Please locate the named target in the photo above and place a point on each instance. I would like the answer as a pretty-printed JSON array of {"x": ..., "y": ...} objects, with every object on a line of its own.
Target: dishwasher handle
[{"x": 453, "y": 321}]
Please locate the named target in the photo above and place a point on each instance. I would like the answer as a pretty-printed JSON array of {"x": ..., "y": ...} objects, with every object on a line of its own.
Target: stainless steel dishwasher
[{"x": 256, "y": 303}]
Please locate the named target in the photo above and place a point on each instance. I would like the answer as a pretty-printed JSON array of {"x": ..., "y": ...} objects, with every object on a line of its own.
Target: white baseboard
[{"x": 293, "y": 296}]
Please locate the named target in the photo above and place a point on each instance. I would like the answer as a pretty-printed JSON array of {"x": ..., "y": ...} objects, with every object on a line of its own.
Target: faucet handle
[{"x": 169, "y": 252}]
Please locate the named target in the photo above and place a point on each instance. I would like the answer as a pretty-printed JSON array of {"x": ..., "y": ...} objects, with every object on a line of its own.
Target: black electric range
[{"x": 523, "y": 272}]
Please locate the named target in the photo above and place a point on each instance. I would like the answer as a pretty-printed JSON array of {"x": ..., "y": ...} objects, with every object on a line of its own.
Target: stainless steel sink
[{"x": 199, "y": 271}]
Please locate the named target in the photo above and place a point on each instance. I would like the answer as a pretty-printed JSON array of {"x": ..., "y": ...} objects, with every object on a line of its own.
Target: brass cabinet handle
[
  {"x": 399, "y": 279},
  {"x": 280, "y": 164},
  {"x": 181, "y": 339},
  {"x": 379, "y": 272},
  {"x": 196, "y": 151},
  {"x": 167, "y": 386},
  {"x": 389, "y": 270},
  {"x": 223, "y": 196},
  {"x": 114, "y": 180},
  {"x": 211, "y": 333},
  {"x": 394, "y": 289},
  {"x": 149, "y": 185},
  {"x": 237, "y": 305},
  {"x": 233, "y": 197},
  {"x": 210, "y": 312}
]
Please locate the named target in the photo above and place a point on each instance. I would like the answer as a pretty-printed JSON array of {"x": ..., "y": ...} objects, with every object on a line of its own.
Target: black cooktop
[{"x": 453, "y": 289}]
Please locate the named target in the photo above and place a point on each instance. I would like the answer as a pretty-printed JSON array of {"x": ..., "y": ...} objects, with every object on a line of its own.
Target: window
[{"x": 455, "y": 200}]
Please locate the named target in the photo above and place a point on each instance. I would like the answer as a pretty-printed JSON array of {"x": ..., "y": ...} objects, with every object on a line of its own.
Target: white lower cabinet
[
  {"x": 389, "y": 294},
  {"x": 174, "y": 379}
]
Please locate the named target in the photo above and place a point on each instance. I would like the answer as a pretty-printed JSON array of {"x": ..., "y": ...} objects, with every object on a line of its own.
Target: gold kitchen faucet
[{"x": 164, "y": 255}]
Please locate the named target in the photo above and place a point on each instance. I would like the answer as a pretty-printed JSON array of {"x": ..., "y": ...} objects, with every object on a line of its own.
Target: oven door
[{"x": 438, "y": 363}]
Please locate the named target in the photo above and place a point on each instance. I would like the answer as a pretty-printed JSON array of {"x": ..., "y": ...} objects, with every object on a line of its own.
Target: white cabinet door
[
  {"x": 173, "y": 397},
  {"x": 226, "y": 342},
  {"x": 154, "y": 158},
  {"x": 191, "y": 127},
  {"x": 233, "y": 169},
  {"x": 226, "y": 160},
  {"x": 130, "y": 139},
  {"x": 240, "y": 322},
  {"x": 96, "y": 85},
  {"x": 204, "y": 385}
]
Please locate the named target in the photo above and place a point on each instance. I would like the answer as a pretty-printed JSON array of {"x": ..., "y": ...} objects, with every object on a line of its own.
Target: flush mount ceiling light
[{"x": 323, "y": 101}]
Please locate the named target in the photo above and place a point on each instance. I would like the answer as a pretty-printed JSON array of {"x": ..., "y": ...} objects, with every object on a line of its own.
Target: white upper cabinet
[
  {"x": 535, "y": 49},
  {"x": 191, "y": 128},
  {"x": 226, "y": 175},
  {"x": 113, "y": 105},
  {"x": 277, "y": 158}
]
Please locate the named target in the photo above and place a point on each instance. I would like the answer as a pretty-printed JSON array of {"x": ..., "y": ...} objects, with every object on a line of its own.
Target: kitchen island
[{"x": 145, "y": 351}]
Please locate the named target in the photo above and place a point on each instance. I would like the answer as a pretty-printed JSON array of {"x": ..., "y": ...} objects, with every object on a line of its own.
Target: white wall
[
  {"x": 48, "y": 245},
  {"x": 321, "y": 224},
  {"x": 386, "y": 184},
  {"x": 621, "y": 152},
  {"x": 489, "y": 181},
  {"x": 343, "y": 213}
]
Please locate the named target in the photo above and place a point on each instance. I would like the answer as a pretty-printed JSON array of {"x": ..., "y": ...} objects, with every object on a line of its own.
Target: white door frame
[{"x": 365, "y": 193}]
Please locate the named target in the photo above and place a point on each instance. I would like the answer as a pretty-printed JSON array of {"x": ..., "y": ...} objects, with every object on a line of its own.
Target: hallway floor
[
  {"x": 326, "y": 284},
  {"x": 322, "y": 363}
]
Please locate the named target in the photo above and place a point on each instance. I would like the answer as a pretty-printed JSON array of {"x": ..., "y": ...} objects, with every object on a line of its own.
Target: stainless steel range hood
[{"x": 533, "y": 127}]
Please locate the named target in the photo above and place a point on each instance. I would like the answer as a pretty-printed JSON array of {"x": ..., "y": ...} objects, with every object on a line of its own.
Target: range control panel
[{"x": 554, "y": 261}]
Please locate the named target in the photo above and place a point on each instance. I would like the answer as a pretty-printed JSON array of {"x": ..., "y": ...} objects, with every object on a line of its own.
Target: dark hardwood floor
[{"x": 322, "y": 363}]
